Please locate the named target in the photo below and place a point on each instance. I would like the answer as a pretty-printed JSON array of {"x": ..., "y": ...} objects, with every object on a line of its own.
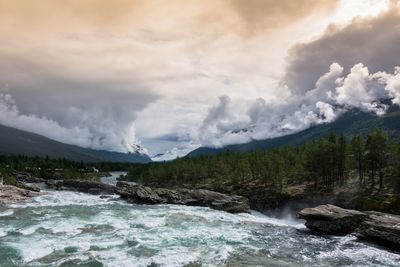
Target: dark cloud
[
  {"x": 374, "y": 42},
  {"x": 71, "y": 103}
]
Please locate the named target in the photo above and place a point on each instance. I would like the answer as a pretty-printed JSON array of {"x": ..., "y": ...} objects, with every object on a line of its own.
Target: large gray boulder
[
  {"x": 330, "y": 219},
  {"x": 193, "y": 197},
  {"x": 91, "y": 187},
  {"x": 381, "y": 228},
  {"x": 377, "y": 227}
]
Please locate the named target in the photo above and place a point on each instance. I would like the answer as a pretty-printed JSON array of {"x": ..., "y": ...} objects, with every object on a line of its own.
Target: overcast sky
[{"x": 172, "y": 75}]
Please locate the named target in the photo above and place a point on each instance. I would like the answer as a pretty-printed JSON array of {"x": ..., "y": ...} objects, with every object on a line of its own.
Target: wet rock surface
[
  {"x": 91, "y": 187},
  {"x": 192, "y": 197},
  {"x": 331, "y": 219},
  {"x": 381, "y": 228},
  {"x": 377, "y": 227}
]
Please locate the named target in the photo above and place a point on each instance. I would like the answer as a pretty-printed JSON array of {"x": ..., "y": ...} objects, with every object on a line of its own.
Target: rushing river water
[{"x": 77, "y": 229}]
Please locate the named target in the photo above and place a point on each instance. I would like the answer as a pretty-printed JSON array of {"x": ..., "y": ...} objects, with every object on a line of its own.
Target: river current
[{"x": 76, "y": 229}]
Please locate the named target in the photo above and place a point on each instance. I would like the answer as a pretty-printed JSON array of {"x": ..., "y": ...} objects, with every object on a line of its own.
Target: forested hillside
[
  {"x": 367, "y": 165},
  {"x": 351, "y": 123}
]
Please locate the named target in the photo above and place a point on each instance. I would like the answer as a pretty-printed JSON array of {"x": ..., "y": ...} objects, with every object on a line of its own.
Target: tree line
[
  {"x": 51, "y": 168},
  {"x": 323, "y": 164}
]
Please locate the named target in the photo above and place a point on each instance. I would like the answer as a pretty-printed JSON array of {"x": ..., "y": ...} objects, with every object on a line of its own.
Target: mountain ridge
[
  {"x": 350, "y": 123},
  {"x": 19, "y": 142}
]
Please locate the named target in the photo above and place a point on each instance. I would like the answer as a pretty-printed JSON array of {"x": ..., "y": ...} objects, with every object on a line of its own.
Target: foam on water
[
  {"x": 6, "y": 213},
  {"x": 61, "y": 227}
]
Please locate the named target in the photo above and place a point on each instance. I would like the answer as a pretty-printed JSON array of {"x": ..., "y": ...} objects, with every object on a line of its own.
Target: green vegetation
[
  {"x": 364, "y": 168},
  {"x": 365, "y": 165},
  {"x": 351, "y": 123},
  {"x": 47, "y": 168}
]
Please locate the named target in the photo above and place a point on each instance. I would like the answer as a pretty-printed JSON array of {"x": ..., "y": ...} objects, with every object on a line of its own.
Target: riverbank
[
  {"x": 376, "y": 227},
  {"x": 10, "y": 195},
  {"x": 69, "y": 228}
]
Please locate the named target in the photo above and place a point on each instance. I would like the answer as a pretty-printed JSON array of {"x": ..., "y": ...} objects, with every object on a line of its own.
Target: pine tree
[{"x": 358, "y": 150}]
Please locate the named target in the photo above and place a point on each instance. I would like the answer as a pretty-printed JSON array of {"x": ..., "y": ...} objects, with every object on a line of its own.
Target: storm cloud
[
  {"x": 111, "y": 74},
  {"x": 333, "y": 94},
  {"x": 372, "y": 41},
  {"x": 350, "y": 66}
]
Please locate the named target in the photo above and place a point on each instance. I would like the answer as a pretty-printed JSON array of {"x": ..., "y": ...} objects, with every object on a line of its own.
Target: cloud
[
  {"x": 128, "y": 71},
  {"x": 60, "y": 100},
  {"x": 333, "y": 94},
  {"x": 94, "y": 65},
  {"x": 372, "y": 41},
  {"x": 204, "y": 16},
  {"x": 360, "y": 90},
  {"x": 392, "y": 84},
  {"x": 270, "y": 13},
  {"x": 89, "y": 130}
]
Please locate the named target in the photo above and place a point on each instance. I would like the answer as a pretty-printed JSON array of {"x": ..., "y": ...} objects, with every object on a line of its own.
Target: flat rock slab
[
  {"x": 192, "y": 197},
  {"x": 91, "y": 187},
  {"x": 331, "y": 219},
  {"x": 377, "y": 227},
  {"x": 382, "y": 228},
  {"x": 13, "y": 195}
]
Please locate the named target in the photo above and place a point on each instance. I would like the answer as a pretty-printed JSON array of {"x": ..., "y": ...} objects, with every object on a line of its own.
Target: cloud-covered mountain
[
  {"x": 17, "y": 142},
  {"x": 352, "y": 66},
  {"x": 351, "y": 123},
  {"x": 111, "y": 76}
]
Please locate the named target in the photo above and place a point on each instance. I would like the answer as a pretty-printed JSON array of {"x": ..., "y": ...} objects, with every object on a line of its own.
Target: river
[{"x": 63, "y": 228}]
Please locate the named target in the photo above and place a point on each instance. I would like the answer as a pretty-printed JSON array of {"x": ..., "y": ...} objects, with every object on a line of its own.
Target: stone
[
  {"x": 376, "y": 227},
  {"x": 30, "y": 187},
  {"x": 193, "y": 197},
  {"x": 381, "y": 228},
  {"x": 13, "y": 195},
  {"x": 55, "y": 184},
  {"x": 91, "y": 187},
  {"x": 330, "y": 219},
  {"x": 94, "y": 191}
]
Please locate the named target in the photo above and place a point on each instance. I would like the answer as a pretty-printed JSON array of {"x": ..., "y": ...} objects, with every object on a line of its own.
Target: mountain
[
  {"x": 351, "y": 123},
  {"x": 17, "y": 142}
]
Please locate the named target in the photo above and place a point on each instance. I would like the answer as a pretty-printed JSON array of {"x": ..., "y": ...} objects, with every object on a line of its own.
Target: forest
[
  {"x": 54, "y": 168},
  {"x": 370, "y": 162}
]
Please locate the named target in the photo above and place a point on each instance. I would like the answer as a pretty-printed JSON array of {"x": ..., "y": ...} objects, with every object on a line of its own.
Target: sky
[{"x": 173, "y": 75}]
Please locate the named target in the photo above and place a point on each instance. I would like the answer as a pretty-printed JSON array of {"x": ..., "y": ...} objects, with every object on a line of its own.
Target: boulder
[
  {"x": 25, "y": 177},
  {"x": 13, "y": 195},
  {"x": 55, "y": 184},
  {"x": 377, "y": 227},
  {"x": 91, "y": 187},
  {"x": 194, "y": 197},
  {"x": 30, "y": 187},
  {"x": 380, "y": 228},
  {"x": 330, "y": 219}
]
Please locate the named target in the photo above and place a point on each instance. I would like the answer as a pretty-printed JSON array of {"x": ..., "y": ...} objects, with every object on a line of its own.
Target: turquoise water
[{"x": 76, "y": 229}]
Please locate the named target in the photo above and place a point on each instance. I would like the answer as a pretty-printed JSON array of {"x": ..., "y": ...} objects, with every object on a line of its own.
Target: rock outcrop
[
  {"x": 381, "y": 228},
  {"x": 55, "y": 184},
  {"x": 331, "y": 219},
  {"x": 91, "y": 187},
  {"x": 13, "y": 195},
  {"x": 192, "y": 197},
  {"x": 377, "y": 227},
  {"x": 25, "y": 177}
]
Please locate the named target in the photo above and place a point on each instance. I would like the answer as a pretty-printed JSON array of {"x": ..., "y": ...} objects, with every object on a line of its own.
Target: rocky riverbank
[
  {"x": 192, "y": 197},
  {"x": 10, "y": 194},
  {"x": 146, "y": 195},
  {"x": 377, "y": 227}
]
